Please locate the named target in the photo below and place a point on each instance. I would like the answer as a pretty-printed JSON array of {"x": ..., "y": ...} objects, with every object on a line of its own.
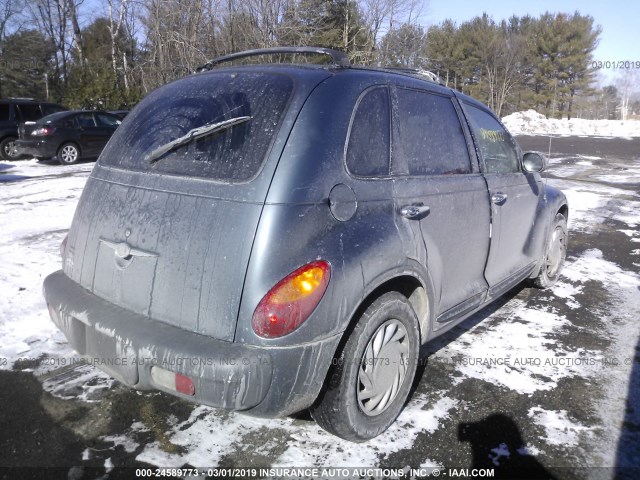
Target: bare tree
[
  {"x": 502, "y": 67},
  {"x": 77, "y": 32},
  {"x": 628, "y": 84},
  {"x": 52, "y": 19},
  {"x": 9, "y": 10},
  {"x": 381, "y": 16}
]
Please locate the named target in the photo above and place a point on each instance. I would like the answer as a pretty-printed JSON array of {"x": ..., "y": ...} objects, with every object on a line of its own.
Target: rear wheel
[
  {"x": 370, "y": 380},
  {"x": 8, "y": 149},
  {"x": 554, "y": 254},
  {"x": 68, "y": 154}
]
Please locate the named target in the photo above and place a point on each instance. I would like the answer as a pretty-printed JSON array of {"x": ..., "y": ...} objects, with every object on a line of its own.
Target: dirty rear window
[{"x": 235, "y": 154}]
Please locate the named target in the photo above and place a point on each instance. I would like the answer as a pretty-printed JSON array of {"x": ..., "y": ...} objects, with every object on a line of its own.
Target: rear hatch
[{"x": 168, "y": 235}]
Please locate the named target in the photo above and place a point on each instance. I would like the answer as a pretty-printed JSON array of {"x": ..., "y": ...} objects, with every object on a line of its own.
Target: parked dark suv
[
  {"x": 271, "y": 238},
  {"x": 14, "y": 111}
]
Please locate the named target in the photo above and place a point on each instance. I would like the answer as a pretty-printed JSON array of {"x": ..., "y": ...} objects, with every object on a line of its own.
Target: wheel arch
[
  {"x": 416, "y": 287},
  {"x": 564, "y": 210}
]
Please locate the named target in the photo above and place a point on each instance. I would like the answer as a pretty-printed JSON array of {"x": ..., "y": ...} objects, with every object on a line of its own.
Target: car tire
[
  {"x": 371, "y": 377},
  {"x": 7, "y": 147},
  {"x": 68, "y": 154},
  {"x": 555, "y": 253}
]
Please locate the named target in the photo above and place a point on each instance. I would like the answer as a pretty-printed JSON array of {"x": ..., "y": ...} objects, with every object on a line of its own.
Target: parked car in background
[
  {"x": 68, "y": 136},
  {"x": 271, "y": 238},
  {"x": 14, "y": 111}
]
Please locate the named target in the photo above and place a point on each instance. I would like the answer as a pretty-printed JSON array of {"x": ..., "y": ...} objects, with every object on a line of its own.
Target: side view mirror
[{"x": 534, "y": 162}]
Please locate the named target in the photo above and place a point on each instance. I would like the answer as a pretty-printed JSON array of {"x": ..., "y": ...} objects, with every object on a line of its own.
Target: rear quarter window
[
  {"x": 369, "y": 138},
  {"x": 234, "y": 155}
]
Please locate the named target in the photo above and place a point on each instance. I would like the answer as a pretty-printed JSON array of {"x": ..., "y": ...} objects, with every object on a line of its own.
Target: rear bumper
[
  {"x": 226, "y": 375},
  {"x": 36, "y": 148}
]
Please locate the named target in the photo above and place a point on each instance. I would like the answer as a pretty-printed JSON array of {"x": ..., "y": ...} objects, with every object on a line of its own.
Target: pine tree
[
  {"x": 404, "y": 47},
  {"x": 564, "y": 45},
  {"x": 26, "y": 63}
]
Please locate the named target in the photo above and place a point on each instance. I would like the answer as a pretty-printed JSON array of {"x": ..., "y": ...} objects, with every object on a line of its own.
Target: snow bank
[{"x": 534, "y": 123}]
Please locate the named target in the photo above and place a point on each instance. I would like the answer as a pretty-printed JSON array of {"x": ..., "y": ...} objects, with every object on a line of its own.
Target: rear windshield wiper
[{"x": 194, "y": 134}]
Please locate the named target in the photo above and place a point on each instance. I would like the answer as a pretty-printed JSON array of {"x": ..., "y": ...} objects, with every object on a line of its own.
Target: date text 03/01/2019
[{"x": 615, "y": 64}]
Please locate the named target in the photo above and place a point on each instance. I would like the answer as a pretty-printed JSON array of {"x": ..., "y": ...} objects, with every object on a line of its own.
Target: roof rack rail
[
  {"x": 417, "y": 71},
  {"x": 340, "y": 59}
]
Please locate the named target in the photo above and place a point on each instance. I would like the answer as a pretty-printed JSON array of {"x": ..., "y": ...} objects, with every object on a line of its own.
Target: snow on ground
[
  {"x": 531, "y": 122},
  {"x": 517, "y": 347},
  {"x": 35, "y": 215},
  {"x": 208, "y": 435},
  {"x": 560, "y": 429}
]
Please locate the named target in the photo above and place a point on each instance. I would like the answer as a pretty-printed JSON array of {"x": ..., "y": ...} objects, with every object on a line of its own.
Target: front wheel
[
  {"x": 554, "y": 254},
  {"x": 370, "y": 380},
  {"x": 68, "y": 154}
]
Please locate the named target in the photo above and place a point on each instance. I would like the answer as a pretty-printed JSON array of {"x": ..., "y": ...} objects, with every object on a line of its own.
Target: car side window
[
  {"x": 430, "y": 135},
  {"x": 369, "y": 138},
  {"x": 86, "y": 120},
  {"x": 497, "y": 148}
]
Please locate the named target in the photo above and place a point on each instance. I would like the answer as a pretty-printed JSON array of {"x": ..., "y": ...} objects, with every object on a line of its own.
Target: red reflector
[{"x": 185, "y": 385}]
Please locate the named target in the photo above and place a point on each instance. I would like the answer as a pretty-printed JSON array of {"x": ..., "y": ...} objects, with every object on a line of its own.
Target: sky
[{"x": 619, "y": 40}]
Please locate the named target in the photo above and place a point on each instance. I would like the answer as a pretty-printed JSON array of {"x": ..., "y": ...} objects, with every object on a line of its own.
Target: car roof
[
  {"x": 28, "y": 100},
  {"x": 339, "y": 63},
  {"x": 300, "y": 71}
]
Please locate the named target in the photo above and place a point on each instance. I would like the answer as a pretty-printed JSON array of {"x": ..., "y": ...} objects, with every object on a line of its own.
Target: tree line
[{"x": 111, "y": 54}]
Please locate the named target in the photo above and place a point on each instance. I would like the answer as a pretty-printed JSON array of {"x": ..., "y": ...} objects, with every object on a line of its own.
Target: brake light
[
  {"x": 290, "y": 302},
  {"x": 42, "y": 131}
]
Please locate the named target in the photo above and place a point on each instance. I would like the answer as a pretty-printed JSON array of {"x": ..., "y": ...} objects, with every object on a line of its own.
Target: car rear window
[
  {"x": 49, "y": 108},
  {"x": 235, "y": 154},
  {"x": 54, "y": 117}
]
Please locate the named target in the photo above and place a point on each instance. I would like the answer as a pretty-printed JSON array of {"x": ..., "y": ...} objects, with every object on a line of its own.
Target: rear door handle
[
  {"x": 499, "y": 198},
  {"x": 414, "y": 211}
]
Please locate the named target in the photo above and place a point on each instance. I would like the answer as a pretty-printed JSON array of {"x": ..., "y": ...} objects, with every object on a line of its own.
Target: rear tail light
[
  {"x": 42, "y": 131},
  {"x": 287, "y": 305},
  {"x": 172, "y": 381}
]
